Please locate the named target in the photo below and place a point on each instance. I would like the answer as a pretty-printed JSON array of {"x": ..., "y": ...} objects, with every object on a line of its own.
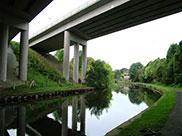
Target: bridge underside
[
  {"x": 15, "y": 16},
  {"x": 131, "y": 13},
  {"x": 17, "y": 13}
]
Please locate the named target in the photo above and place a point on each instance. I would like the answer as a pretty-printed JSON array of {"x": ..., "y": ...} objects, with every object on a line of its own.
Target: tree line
[{"x": 167, "y": 70}]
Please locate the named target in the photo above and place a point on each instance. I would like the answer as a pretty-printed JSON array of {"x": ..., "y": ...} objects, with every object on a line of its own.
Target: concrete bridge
[
  {"x": 96, "y": 18},
  {"x": 15, "y": 16}
]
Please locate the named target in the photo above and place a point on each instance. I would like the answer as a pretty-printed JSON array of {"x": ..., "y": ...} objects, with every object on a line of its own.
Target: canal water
[{"x": 92, "y": 114}]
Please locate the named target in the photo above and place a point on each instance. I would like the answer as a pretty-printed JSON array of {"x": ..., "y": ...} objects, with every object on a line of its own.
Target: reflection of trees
[
  {"x": 98, "y": 101},
  {"x": 135, "y": 95},
  {"x": 150, "y": 97},
  {"x": 118, "y": 88},
  {"x": 138, "y": 95},
  {"x": 58, "y": 115}
]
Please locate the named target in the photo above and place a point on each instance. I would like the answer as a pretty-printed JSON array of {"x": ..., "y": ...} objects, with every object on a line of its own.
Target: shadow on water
[{"x": 34, "y": 120}]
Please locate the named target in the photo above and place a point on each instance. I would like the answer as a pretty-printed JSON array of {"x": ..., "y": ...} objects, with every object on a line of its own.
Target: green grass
[
  {"x": 154, "y": 118},
  {"x": 46, "y": 76}
]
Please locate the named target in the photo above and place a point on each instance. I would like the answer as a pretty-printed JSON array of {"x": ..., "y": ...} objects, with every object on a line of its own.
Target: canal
[{"x": 92, "y": 114}]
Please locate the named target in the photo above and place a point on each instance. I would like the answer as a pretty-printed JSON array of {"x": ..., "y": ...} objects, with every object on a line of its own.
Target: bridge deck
[{"x": 122, "y": 14}]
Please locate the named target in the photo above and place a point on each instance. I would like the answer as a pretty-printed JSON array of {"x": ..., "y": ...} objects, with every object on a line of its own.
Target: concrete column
[
  {"x": 4, "y": 33},
  {"x": 82, "y": 115},
  {"x": 74, "y": 114},
  {"x": 84, "y": 63},
  {"x": 76, "y": 63},
  {"x": 2, "y": 121},
  {"x": 66, "y": 55},
  {"x": 21, "y": 121},
  {"x": 23, "y": 55},
  {"x": 64, "y": 131}
]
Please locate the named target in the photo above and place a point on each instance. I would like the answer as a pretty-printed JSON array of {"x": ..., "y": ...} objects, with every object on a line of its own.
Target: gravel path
[{"x": 173, "y": 126}]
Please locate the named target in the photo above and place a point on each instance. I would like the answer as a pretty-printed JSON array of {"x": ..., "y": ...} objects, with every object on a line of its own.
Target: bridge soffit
[
  {"x": 13, "y": 21},
  {"x": 78, "y": 40}
]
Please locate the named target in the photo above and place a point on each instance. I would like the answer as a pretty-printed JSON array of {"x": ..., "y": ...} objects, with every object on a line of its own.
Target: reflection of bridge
[
  {"x": 97, "y": 19},
  {"x": 23, "y": 127}
]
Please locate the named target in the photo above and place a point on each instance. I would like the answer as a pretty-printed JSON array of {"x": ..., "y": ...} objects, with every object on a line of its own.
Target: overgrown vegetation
[
  {"x": 167, "y": 71},
  {"x": 60, "y": 55},
  {"x": 99, "y": 74},
  {"x": 133, "y": 71},
  {"x": 42, "y": 73}
]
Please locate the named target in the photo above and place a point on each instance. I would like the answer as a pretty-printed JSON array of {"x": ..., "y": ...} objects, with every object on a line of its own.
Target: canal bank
[
  {"x": 38, "y": 96},
  {"x": 104, "y": 109},
  {"x": 153, "y": 119}
]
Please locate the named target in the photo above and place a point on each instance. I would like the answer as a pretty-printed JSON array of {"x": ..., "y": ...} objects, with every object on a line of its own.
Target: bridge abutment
[
  {"x": 69, "y": 39},
  {"x": 76, "y": 63},
  {"x": 4, "y": 41},
  {"x": 84, "y": 62},
  {"x": 4, "y": 33},
  {"x": 23, "y": 55},
  {"x": 66, "y": 55}
]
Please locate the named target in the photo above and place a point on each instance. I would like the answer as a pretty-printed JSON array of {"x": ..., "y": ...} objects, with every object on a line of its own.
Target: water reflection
[
  {"x": 21, "y": 117},
  {"x": 2, "y": 121},
  {"x": 7, "y": 118},
  {"x": 137, "y": 94},
  {"x": 74, "y": 114},
  {"x": 101, "y": 109},
  {"x": 98, "y": 101}
]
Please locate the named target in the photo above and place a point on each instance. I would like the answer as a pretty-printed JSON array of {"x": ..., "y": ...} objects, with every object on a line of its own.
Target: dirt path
[{"x": 173, "y": 126}]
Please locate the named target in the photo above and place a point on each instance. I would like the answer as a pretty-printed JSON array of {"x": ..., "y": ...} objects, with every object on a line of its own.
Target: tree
[
  {"x": 123, "y": 70},
  {"x": 151, "y": 73},
  {"x": 171, "y": 51},
  {"x": 117, "y": 74},
  {"x": 177, "y": 65},
  {"x": 60, "y": 55},
  {"x": 99, "y": 75},
  {"x": 133, "y": 71}
]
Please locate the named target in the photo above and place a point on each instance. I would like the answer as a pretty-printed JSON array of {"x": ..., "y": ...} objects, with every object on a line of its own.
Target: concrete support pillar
[
  {"x": 23, "y": 55},
  {"x": 82, "y": 115},
  {"x": 2, "y": 121},
  {"x": 84, "y": 63},
  {"x": 74, "y": 114},
  {"x": 21, "y": 121},
  {"x": 64, "y": 131},
  {"x": 66, "y": 55},
  {"x": 76, "y": 63},
  {"x": 4, "y": 33}
]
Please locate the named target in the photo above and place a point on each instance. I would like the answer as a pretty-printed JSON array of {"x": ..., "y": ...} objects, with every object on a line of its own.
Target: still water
[{"x": 92, "y": 114}]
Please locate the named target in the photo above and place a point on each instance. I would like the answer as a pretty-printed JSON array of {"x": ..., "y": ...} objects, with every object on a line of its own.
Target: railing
[{"x": 83, "y": 6}]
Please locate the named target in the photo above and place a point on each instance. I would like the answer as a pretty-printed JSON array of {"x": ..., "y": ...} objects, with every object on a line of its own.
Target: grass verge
[
  {"x": 156, "y": 116},
  {"x": 45, "y": 76}
]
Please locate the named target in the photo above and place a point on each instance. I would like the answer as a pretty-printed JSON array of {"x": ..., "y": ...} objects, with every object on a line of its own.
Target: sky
[{"x": 141, "y": 43}]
